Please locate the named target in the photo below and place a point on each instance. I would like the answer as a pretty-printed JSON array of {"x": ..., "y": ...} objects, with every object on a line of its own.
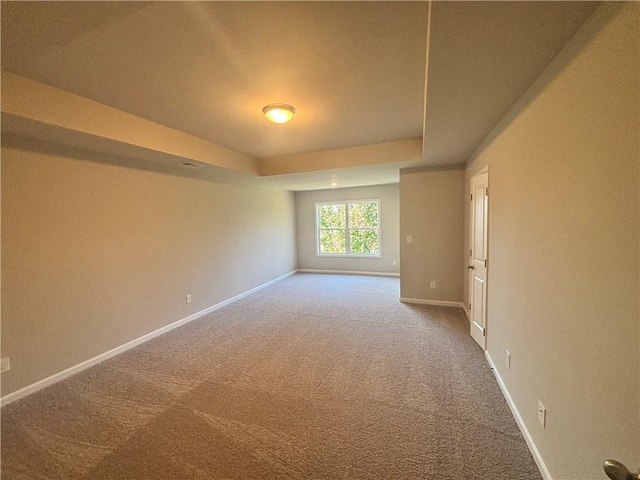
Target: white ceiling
[{"x": 354, "y": 70}]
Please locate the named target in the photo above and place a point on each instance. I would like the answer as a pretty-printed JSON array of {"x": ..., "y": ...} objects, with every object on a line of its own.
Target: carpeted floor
[{"x": 316, "y": 377}]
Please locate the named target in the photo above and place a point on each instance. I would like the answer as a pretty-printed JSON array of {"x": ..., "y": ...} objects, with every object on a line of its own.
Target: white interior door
[{"x": 477, "y": 265}]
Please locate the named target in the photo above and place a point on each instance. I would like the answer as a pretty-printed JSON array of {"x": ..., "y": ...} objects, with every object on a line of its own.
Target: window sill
[{"x": 346, "y": 255}]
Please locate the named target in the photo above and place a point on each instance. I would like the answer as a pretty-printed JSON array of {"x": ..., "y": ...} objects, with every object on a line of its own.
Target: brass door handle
[
  {"x": 617, "y": 471},
  {"x": 470, "y": 267}
]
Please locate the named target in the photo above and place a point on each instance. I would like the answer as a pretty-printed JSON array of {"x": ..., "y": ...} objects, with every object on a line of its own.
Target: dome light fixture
[{"x": 279, "y": 112}]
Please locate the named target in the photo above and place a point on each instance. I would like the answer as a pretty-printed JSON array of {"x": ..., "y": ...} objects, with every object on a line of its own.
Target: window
[{"x": 350, "y": 228}]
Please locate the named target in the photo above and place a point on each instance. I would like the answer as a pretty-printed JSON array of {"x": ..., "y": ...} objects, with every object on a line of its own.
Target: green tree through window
[{"x": 348, "y": 228}]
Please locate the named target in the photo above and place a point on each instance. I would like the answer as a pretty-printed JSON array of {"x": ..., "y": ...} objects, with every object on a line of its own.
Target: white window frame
[{"x": 346, "y": 203}]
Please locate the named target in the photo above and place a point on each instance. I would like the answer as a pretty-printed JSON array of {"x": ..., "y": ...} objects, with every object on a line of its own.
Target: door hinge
[
  {"x": 487, "y": 191},
  {"x": 469, "y": 307},
  {"x": 485, "y": 263},
  {"x": 472, "y": 197},
  {"x": 470, "y": 253}
]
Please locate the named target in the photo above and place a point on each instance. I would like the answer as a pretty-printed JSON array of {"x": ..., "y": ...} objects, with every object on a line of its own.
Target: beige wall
[
  {"x": 306, "y": 229},
  {"x": 431, "y": 211},
  {"x": 563, "y": 248},
  {"x": 95, "y": 255}
]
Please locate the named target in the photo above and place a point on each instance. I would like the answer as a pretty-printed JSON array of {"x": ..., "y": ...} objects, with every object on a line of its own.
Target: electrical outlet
[
  {"x": 409, "y": 239},
  {"x": 188, "y": 298},
  {"x": 542, "y": 414},
  {"x": 395, "y": 262},
  {"x": 433, "y": 284},
  {"x": 507, "y": 358},
  {"x": 5, "y": 366}
]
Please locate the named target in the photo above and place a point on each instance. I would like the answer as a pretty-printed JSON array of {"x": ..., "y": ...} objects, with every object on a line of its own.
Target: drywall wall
[
  {"x": 306, "y": 229},
  {"x": 95, "y": 255},
  {"x": 431, "y": 212},
  {"x": 563, "y": 248}
]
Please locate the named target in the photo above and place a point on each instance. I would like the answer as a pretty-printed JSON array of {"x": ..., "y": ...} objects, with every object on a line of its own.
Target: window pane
[
  {"x": 364, "y": 242},
  {"x": 332, "y": 216},
  {"x": 333, "y": 241},
  {"x": 363, "y": 215}
]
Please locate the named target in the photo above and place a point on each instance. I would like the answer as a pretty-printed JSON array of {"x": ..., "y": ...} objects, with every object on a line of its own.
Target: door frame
[{"x": 470, "y": 276}]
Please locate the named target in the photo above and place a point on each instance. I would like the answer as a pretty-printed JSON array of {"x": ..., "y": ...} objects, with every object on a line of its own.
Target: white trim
[
  {"x": 424, "y": 301},
  {"x": 466, "y": 312},
  {"x": 544, "y": 471},
  {"x": 348, "y": 255},
  {"x": 56, "y": 377},
  {"x": 349, "y": 272}
]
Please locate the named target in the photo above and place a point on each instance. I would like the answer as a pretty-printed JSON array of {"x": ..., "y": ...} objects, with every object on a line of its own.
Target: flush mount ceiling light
[{"x": 279, "y": 112}]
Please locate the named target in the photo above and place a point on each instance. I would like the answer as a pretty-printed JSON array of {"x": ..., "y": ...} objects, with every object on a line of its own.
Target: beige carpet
[{"x": 317, "y": 376}]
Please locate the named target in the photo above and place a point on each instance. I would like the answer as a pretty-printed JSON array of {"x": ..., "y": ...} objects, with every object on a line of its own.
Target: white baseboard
[
  {"x": 466, "y": 312},
  {"x": 40, "y": 384},
  {"x": 544, "y": 471},
  {"x": 423, "y": 301},
  {"x": 349, "y": 272}
]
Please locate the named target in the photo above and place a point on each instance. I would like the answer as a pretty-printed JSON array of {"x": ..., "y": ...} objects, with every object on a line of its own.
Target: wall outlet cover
[{"x": 5, "y": 366}]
